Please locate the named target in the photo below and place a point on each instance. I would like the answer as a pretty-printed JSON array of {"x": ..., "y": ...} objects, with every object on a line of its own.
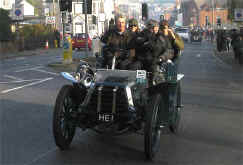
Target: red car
[{"x": 78, "y": 41}]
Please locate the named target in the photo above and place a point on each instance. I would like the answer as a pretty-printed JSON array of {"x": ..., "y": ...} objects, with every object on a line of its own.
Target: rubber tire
[
  {"x": 177, "y": 102},
  {"x": 61, "y": 141},
  {"x": 240, "y": 56},
  {"x": 152, "y": 116},
  {"x": 241, "y": 59}
]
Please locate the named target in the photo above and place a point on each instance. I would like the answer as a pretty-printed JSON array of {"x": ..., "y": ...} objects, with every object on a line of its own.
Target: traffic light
[
  {"x": 69, "y": 18},
  {"x": 62, "y": 5},
  {"x": 93, "y": 19},
  {"x": 69, "y": 5},
  {"x": 144, "y": 11},
  {"x": 89, "y": 7},
  {"x": 65, "y": 5}
]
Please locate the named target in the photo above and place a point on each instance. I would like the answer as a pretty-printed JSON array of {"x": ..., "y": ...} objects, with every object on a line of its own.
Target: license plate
[
  {"x": 105, "y": 117},
  {"x": 80, "y": 40}
]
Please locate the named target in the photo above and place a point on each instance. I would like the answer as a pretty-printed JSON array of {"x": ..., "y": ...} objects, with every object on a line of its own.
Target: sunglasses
[{"x": 133, "y": 25}]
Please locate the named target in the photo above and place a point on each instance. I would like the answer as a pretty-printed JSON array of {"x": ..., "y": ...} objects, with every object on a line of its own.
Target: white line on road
[
  {"x": 19, "y": 81},
  {"x": 22, "y": 70},
  {"x": 12, "y": 77},
  {"x": 41, "y": 156},
  {"x": 27, "y": 85},
  {"x": 20, "y": 58},
  {"x": 39, "y": 70}
]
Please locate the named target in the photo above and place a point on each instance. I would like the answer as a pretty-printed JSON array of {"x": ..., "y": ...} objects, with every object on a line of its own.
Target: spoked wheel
[
  {"x": 176, "y": 110},
  {"x": 63, "y": 124},
  {"x": 240, "y": 56},
  {"x": 152, "y": 126}
]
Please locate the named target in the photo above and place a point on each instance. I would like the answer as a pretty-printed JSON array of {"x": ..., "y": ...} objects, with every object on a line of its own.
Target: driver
[{"x": 117, "y": 44}]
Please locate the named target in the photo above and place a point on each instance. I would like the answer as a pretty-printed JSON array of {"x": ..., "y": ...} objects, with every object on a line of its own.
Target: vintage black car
[
  {"x": 196, "y": 36},
  {"x": 116, "y": 102}
]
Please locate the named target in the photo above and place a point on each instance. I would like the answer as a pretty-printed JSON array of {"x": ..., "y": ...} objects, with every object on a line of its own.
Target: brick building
[
  {"x": 200, "y": 13},
  {"x": 209, "y": 16},
  {"x": 190, "y": 12}
]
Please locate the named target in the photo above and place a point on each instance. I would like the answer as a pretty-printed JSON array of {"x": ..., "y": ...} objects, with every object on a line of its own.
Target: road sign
[
  {"x": 18, "y": 14},
  {"x": 50, "y": 20},
  {"x": 18, "y": 3},
  {"x": 238, "y": 14},
  {"x": 47, "y": 12}
]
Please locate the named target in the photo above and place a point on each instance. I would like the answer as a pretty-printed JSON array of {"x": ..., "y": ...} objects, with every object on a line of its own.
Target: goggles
[{"x": 132, "y": 25}]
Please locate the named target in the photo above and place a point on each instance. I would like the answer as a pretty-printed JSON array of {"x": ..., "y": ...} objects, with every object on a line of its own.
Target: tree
[
  {"x": 5, "y": 25},
  {"x": 232, "y": 4}
]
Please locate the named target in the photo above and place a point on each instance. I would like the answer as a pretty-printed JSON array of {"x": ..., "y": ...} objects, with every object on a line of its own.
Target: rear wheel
[
  {"x": 240, "y": 56},
  {"x": 176, "y": 110},
  {"x": 152, "y": 126},
  {"x": 63, "y": 123}
]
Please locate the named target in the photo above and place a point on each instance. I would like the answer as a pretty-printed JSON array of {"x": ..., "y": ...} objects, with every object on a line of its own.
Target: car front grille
[{"x": 106, "y": 100}]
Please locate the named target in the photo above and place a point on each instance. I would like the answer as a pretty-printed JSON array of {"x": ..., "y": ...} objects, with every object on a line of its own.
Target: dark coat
[{"x": 114, "y": 42}]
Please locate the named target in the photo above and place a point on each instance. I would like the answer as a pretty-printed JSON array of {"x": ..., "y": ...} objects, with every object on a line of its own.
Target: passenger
[
  {"x": 175, "y": 43},
  {"x": 148, "y": 47}
]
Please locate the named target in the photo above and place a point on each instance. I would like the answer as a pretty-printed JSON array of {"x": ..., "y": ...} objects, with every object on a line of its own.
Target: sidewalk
[
  {"x": 227, "y": 58},
  {"x": 30, "y": 53}
]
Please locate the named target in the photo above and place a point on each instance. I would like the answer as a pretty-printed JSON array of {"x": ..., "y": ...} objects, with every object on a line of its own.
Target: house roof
[{"x": 200, "y": 3}]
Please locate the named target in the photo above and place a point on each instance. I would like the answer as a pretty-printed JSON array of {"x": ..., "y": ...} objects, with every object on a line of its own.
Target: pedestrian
[{"x": 57, "y": 37}]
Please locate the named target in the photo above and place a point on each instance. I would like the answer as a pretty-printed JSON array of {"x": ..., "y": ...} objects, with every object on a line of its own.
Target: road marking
[
  {"x": 22, "y": 70},
  {"x": 221, "y": 61},
  {"x": 41, "y": 156},
  {"x": 27, "y": 85},
  {"x": 12, "y": 77},
  {"x": 198, "y": 55},
  {"x": 20, "y": 58},
  {"x": 39, "y": 70},
  {"x": 19, "y": 81}
]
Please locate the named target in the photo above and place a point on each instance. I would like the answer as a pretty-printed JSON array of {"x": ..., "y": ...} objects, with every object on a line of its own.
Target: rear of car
[
  {"x": 79, "y": 41},
  {"x": 183, "y": 33}
]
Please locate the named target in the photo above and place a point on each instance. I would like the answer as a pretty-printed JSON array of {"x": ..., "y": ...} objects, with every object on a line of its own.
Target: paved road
[{"x": 211, "y": 131}]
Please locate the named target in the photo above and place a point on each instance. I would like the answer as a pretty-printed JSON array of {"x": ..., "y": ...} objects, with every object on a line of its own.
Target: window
[
  {"x": 206, "y": 21},
  {"x": 102, "y": 7},
  {"x": 94, "y": 8},
  {"x": 218, "y": 21},
  {"x": 78, "y": 8}
]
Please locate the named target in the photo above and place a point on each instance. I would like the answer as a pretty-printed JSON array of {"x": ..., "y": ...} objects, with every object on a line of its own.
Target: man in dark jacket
[
  {"x": 117, "y": 44},
  {"x": 148, "y": 46}
]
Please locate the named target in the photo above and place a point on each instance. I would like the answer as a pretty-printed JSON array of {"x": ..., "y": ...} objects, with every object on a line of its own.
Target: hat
[
  {"x": 132, "y": 22},
  {"x": 163, "y": 23},
  {"x": 152, "y": 23}
]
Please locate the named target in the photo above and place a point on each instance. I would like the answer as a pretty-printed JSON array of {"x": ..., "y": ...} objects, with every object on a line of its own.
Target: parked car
[
  {"x": 183, "y": 33},
  {"x": 79, "y": 41}
]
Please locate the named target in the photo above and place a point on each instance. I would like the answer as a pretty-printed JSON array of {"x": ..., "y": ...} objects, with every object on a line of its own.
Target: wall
[{"x": 222, "y": 13}]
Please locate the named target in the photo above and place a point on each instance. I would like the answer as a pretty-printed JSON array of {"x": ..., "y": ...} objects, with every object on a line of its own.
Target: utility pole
[
  {"x": 54, "y": 13},
  {"x": 213, "y": 14},
  {"x": 86, "y": 28}
]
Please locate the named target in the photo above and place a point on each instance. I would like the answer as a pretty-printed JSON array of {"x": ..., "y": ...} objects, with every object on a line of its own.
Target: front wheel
[
  {"x": 152, "y": 126},
  {"x": 63, "y": 124}
]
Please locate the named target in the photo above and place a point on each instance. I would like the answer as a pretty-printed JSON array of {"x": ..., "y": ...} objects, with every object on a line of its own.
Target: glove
[{"x": 162, "y": 59}]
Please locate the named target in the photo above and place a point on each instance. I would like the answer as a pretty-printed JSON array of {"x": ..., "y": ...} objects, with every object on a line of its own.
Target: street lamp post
[{"x": 213, "y": 14}]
